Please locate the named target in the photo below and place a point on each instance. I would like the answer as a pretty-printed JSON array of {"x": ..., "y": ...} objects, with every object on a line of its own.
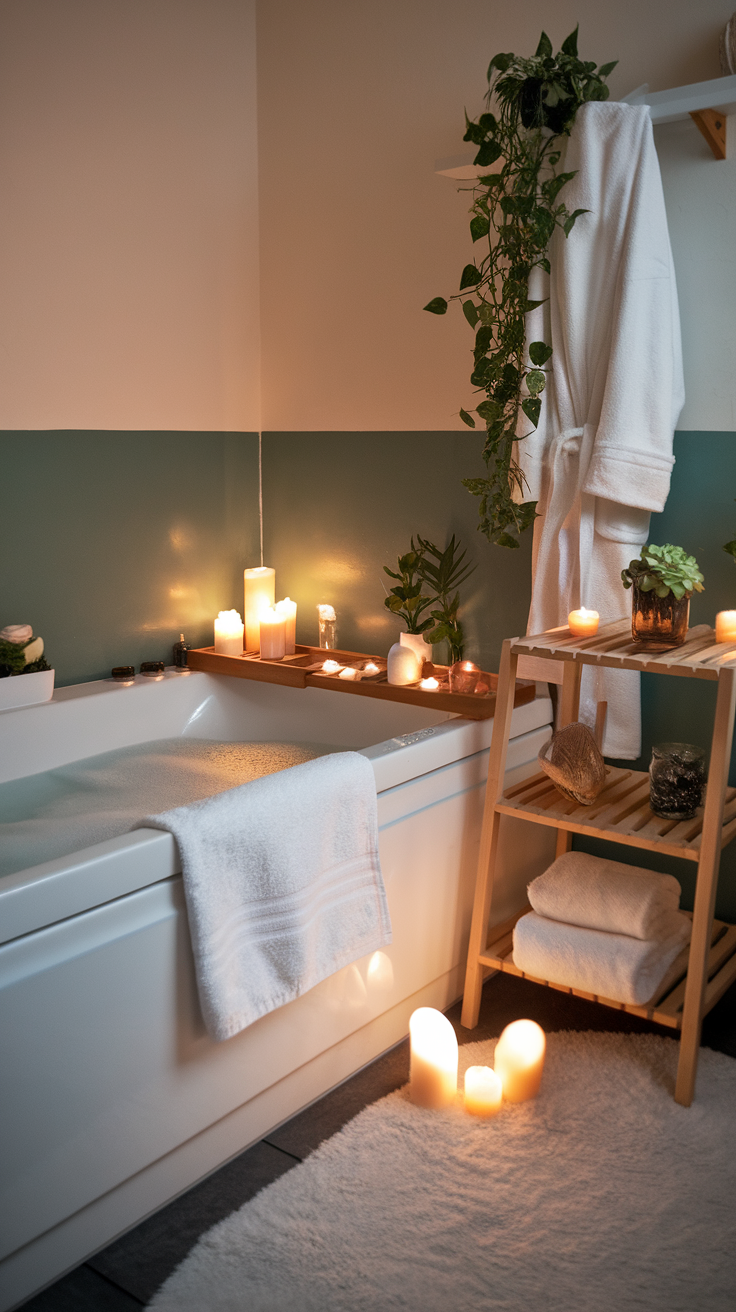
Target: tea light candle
[
  {"x": 272, "y": 637},
  {"x": 370, "y": 667},
  {"x": 287, "y": 608},
  {"x": 331, "y": 667},
  {"x": 519, "y": 1060},
  {"x": 433, "y": 1066},
  {"x": 464, "y": 676},
  {"x": 349, "y": 672},
  {"x": 726, "y": 626},
  {"x": 259, "y": 590},
  {"x": 229, "y": 633},
  {"x": 583, "y": 623},
  {"x": 483, "y": 1091},
  {"x": 429, "y": 685}
]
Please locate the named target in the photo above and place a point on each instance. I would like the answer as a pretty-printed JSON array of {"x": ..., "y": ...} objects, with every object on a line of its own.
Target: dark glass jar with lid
[{"x": 676, "y": 780}]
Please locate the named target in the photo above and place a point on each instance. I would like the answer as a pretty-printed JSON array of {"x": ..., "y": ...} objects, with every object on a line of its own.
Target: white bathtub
[{"x": 113, "y": 1097}]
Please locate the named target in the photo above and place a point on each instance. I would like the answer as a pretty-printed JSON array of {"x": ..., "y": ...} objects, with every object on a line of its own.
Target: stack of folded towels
[{"x": 602, "y": 927}]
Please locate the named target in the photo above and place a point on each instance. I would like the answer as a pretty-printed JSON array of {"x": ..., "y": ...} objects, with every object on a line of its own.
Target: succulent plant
[{"x": 664, "y": 570}]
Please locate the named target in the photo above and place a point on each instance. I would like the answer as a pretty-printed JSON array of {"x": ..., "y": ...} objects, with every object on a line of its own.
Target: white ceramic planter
[
  {"x": 26, "y": 689},
  {"x": 422, "y": 649}
]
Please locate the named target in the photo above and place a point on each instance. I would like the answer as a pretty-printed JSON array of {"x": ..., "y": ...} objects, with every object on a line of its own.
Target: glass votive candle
[
  {"x": 327, "y": 621},
  {"x": 676, "y": 780},
  {"x": 464, "y": 676}
]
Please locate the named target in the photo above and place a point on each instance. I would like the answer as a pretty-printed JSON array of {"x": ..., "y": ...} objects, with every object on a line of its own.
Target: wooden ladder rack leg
[
  {"x": 705, "y": 889},
  {"x": 489, "y": 835},
  {"x": 569, "y": 710}
]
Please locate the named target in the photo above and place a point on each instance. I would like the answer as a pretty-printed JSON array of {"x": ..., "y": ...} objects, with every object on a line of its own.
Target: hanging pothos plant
[{"x": 515, "y": 210}]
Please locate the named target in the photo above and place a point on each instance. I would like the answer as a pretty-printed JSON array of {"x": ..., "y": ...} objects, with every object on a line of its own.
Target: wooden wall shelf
[{"x": 303, "y": 670}]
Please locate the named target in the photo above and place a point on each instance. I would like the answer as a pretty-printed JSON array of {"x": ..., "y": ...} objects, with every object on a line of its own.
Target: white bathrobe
[{"x": 600, "y": 459}]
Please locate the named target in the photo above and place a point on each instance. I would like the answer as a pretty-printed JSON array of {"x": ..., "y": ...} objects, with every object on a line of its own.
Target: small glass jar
[
  {"x": 464, "y": 676},
  {"x": 327, "y": 621},
  {"x": 676, "y": 780},
  {"x": 658, "y": 623}
]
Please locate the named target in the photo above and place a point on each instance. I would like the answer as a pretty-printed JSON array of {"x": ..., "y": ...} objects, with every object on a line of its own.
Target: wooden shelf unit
[{"x": 621, "y": 814}]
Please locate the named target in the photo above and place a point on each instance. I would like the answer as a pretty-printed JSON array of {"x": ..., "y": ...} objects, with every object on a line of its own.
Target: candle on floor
[
  {"x": 483, "y": 1091},
  {"x": 433, "y": 1067},
  {"x": 429, "y": 685},
  {"x": 583, "y": 623},
  {"x": 260, "y": 591},
  {"x": 331, "y": 667},
  {"x": 287, "y": 608},
  {"x": 272, "y": 643},
  {"x": 519, "y": 1060},
  {"x": 726, "y": 626},
  {"x": 229, "y": 633}
]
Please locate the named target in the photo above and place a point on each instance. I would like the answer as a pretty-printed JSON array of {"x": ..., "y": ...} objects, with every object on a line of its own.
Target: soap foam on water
[{"x": 49, "y": 815}]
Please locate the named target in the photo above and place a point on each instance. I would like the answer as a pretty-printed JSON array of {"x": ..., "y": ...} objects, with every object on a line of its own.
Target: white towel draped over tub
[
  {"x": 283, "y": 885},
  {"x": 600, "y": 459}
]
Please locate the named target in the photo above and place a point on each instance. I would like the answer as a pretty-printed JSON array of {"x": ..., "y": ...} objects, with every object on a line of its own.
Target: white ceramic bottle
[{"x": 403, "y": 666}]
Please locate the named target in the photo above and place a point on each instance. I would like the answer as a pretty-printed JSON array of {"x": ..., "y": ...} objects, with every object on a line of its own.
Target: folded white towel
[
  {"x": 609, "y": 965},
  {"x": 599, "y": 894},
  {"x": 283, "y": 885}
]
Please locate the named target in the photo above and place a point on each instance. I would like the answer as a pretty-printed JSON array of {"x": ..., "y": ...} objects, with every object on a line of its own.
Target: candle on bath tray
[
  {"x": 483, "y": 1091},
  {"x": 229, "y": 633},
  {"x": 519, "y": 1060},
  {"x": 726, "y": 626},
  {"x": 583, "y": 623},
  {"x": 433, "y": 1068},
  {"x": 349, "y": 672},
  {"x": 429, "y": 685},
  {"x": 272, "y": 635},
  {"x": 287, "y": 608},
  {"x": 331, "y": 667},
  {"x": 259, "y": 585}
]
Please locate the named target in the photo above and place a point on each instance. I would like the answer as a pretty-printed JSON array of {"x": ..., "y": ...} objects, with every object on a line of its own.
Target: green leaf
[
  {"x": 489, "y": 152},
  {"x": 500, "y": 63},
  {"x": 544, "y": 48},
  {"x": 470, "y": 278},
  {"x": 471, "y": 313},
  {"x": 488, "y": 122},
  {"x": 730, "y": 547},
  {"x": 505, "y": 540},
  {"x": 466, "y": 418},
  {"x": 532, "y": 408},
  {"x": 489, "y": 410},
  {"x": 570, "y": 221},
  {"x": 437, "y": 306},
  {"x": 539, "y": 352},
  {"x": 535, "y": 381},
  {"x": 553, "y": 186},
  {"x": 479, "y": 226},
  {"x": 570, "y": 44},
  {"x": 605, "y": 69}
]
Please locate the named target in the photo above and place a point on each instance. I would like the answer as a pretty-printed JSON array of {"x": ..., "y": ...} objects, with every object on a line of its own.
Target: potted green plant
[
  {"x": 663, "y": 581},
  {"x": 443, "y": 572}
]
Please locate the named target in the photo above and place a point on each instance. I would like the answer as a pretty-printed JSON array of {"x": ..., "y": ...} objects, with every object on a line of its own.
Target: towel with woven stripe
[{"x": 283, "y": 885}]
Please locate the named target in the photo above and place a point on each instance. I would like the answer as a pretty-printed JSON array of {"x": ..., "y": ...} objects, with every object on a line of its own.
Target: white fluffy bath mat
[{"x": 603, "y": 1195}]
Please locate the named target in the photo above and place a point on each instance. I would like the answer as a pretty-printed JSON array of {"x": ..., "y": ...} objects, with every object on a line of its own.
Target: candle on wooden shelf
[
  {"x": 726, "y": 626},
  {"x": 433, "y": 1067},
  {"x": 331, "y": 667},
  {"x": 583, "y": 623},
  {"x": 429, "y": 685},
  {"x": 287, "y": 608},
  {"x": 229, "y": 633},
  {"x": 519, "y": 1060},
  {"x": 260, "y": 591},
  {"x": 483, "y": 1091},
  {"x": 272, "y": 643}
]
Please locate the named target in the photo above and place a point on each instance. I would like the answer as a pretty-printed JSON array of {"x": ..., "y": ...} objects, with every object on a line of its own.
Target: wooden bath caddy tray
[{"x": 304, "y": 670}]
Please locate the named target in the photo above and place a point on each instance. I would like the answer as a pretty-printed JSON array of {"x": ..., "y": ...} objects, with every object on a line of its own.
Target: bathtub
[{"x": 114, "y": 1099}]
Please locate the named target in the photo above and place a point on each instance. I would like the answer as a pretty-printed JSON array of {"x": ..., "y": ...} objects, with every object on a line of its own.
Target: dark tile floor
[{"x": 126, "y": 1275}]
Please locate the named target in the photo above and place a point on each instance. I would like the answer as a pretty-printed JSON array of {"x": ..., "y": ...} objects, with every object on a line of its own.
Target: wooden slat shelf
[
  {"x": 665, "y": 1006},
  {"x": 621, "y": 813},
  {"x": 302, "y": 670},
  {"x": 700, "y": 656}
]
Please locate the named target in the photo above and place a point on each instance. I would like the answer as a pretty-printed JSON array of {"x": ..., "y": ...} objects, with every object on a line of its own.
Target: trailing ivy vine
[{"x": 515, "y": 210}]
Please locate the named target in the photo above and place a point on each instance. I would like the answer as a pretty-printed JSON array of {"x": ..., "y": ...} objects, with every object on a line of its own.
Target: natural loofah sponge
[{"x": 574, "y": 764}]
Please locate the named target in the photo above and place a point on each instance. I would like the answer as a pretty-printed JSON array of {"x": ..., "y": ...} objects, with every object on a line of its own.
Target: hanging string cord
[{"x": 260, "y": 490}]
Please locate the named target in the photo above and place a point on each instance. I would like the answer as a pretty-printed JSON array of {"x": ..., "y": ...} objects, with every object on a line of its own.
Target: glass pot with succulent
[{"x": 663, "y": 581}]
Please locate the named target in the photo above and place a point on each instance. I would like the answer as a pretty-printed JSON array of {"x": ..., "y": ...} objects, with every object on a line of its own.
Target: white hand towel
[
  {"x": 600, "y": 894},
  {"x": 283, "y": 885},
  {"x": 609, "y": 965}
]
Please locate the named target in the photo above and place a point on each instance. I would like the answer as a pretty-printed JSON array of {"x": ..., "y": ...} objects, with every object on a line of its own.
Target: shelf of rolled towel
[
  {"x": 595, "y": 924},
  {"x": 304, "y": 670}
]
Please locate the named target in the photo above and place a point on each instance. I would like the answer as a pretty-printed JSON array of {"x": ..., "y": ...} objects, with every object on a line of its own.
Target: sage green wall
[{"x": 112, "y": 543}]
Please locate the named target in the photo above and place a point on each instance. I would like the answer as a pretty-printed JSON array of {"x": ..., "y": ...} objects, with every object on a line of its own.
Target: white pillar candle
[
  {"x": 519, "y": 1060},
  {"x": 483, "y": 1091},
  {"x": 433, "y": 1069},
  {"x": 229, "y": 633},
  {"x": 583, "y": 623},
  {"x": 260, "y": 592},
  {"x": 287, "y": 608},
  {"x": 272, "y": 638},
  {"x": 726, "y": 626}
]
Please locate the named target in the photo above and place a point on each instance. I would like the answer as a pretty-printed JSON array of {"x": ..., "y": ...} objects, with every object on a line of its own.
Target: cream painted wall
[
  {"x": 128, "y": 215},
  {"x": 357, "y": 98}
]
